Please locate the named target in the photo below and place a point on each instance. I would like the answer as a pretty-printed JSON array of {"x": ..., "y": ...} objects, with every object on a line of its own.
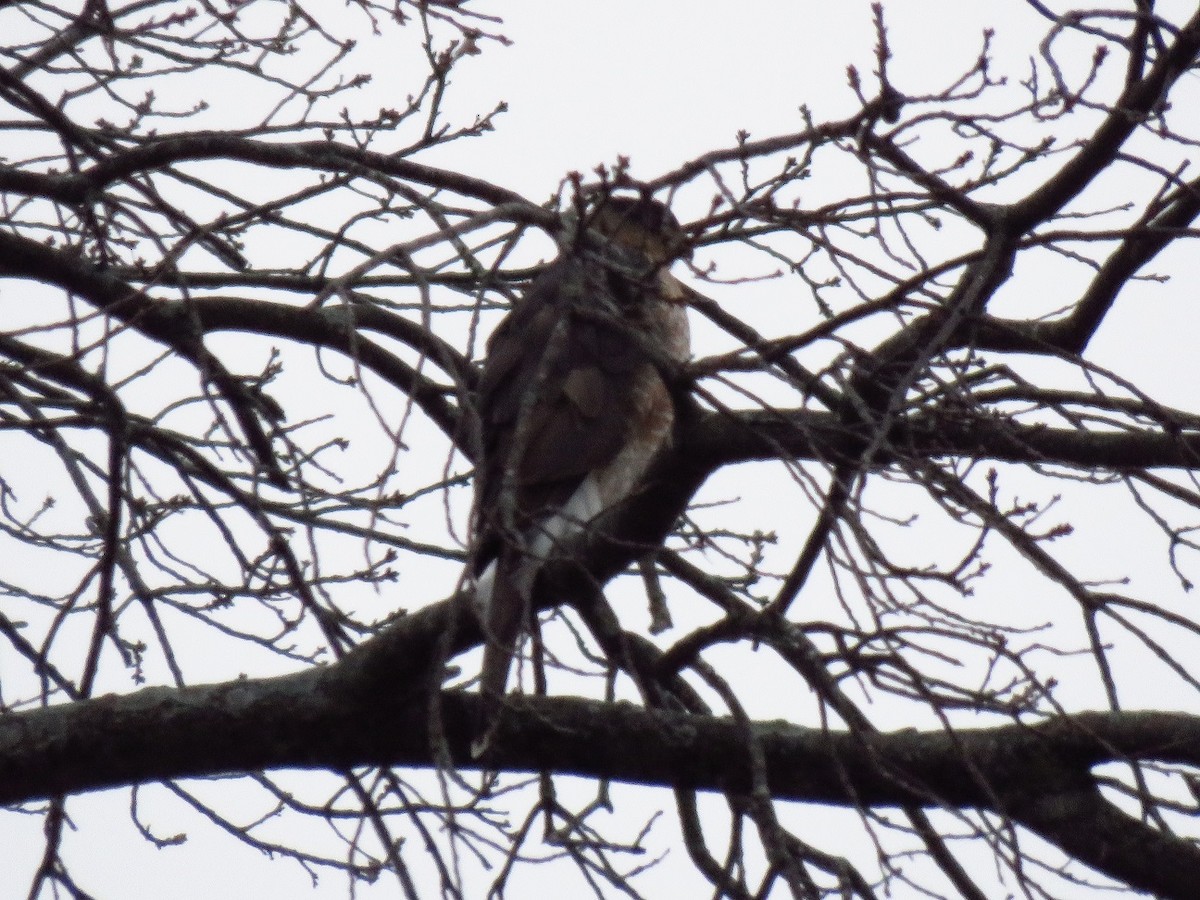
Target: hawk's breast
[{"x": 653, "y": 420}]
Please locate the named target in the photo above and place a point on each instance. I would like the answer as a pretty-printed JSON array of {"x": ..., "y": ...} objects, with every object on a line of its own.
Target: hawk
[{"x": 573, "y": 405}]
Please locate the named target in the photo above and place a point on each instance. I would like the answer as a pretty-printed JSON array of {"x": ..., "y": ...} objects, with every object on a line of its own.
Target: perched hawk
[{"x": 573, "y": 406}]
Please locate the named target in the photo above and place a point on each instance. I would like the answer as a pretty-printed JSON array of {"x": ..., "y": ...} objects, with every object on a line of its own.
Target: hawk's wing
[{"x": 557, "y": 401}]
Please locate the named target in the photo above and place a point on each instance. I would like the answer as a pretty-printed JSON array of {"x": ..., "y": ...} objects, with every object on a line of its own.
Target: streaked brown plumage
[{"x": 573, "y": 406}]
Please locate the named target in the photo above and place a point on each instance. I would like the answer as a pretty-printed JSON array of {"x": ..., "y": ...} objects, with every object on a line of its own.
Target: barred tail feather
[
  {"x": 503, "y": 607},
  {"x": 503, "y": 596}
]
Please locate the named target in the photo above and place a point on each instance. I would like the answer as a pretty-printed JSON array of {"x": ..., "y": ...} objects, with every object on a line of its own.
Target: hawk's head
[{"x": 643, "y": 226}]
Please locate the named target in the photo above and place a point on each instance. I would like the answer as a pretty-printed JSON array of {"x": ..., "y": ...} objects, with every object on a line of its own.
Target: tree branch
[
  {"x": 346, "y": 716},
  {"x": 324, "y": 156},
  {"x": 726, "y": 438}
]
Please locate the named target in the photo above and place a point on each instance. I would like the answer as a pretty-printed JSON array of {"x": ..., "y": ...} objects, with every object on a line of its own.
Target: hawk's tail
[
  {"x": 503, "y": 603},
  {"x": 504, "y": 596}
]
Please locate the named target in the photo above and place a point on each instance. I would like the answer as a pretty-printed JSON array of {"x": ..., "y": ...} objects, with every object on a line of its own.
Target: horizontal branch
[
  {"x": 726, "y": 438},
  {"x": 352, "y": 714}
]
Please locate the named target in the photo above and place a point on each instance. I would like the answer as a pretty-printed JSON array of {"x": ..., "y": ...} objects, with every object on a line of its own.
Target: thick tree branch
[
  {"x": 726, "y": 438},
  {"x": 347, "y": 716}
]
